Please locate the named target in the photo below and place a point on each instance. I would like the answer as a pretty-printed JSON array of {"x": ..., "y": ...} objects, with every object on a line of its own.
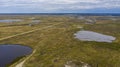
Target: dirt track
[
  {"x": 28, "y": 32},
  {"x": 22, "y": 63}
]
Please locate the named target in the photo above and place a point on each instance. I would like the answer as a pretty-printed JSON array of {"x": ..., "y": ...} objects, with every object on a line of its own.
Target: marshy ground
[{"x": 56, "y": 45}]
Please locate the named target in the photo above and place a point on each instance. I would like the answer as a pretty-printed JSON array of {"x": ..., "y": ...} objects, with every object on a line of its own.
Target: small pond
[
  {"x": 35, "y": 21},
  {"x": 8, "y": 53},
  {"x": 93, "y": 36},
  {"x": 10, "y": 20}
]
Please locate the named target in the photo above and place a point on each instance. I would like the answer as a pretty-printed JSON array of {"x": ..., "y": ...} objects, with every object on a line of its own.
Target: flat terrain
[{"x": 56, "y": 46}]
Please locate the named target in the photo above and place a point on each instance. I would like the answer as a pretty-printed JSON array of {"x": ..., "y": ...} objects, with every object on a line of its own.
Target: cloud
[{"x": 59, "y": 5}]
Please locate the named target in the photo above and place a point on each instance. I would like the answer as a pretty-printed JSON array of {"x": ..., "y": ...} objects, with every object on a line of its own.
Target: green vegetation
[{"x": 56, "y": 45}]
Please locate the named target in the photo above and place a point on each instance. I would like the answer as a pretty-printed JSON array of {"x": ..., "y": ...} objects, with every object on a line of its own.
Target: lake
[
  {"x": 93, "y": 36},
  {"x": 8, "y": 53},
  {"x": 10, "y": 20}
]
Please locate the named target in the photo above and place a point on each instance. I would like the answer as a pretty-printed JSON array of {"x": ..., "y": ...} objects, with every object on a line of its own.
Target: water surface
[
  {"x": 93, "y": 36},
  {"x": 10, "y": 20},
  {"x": 9, "y": 53}
]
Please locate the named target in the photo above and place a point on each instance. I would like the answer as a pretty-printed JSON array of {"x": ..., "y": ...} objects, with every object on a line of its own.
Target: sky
[{"x": 59, "y": 6}]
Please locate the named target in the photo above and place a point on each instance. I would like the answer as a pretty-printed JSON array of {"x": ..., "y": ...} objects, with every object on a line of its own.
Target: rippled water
[
  {"x": 93, "y": 36},
  {"x": 9, "y": 53}
]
